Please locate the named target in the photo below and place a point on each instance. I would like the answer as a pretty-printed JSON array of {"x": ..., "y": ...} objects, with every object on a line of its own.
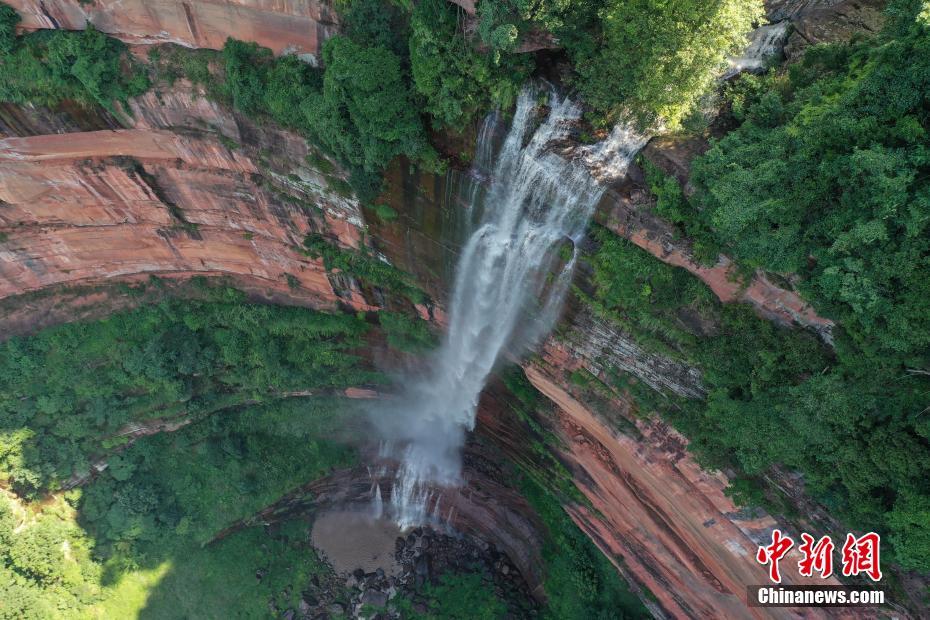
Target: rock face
[
  {"x": 483, "y": 509},
  {"x": 166, "y": 199},
  {"x": 299, "y": 26},
  {"x": 660, "y": 518},
  {"x": 587, "y": 342},
  {"x": 825, "y": 21}
]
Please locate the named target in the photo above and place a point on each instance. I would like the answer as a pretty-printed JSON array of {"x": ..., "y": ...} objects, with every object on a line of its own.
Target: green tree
[
  {"x": 365, "y": 115},
  {"x": 245, "y": 64},
  {"x": 45, "y": 68},
  {"x": 373, "y": 23},
  {"x": 461, "y": 596},
  {"x": 456, "y": 81},
  {"x": 18, "y": 600},
  {"x": 7, "y": 524},
  {"x": 910, "y": 522},
  {"x": 9, "y": 19},
  {"x": 656, "y": 58},
  {"x": 37, "y": 552}
]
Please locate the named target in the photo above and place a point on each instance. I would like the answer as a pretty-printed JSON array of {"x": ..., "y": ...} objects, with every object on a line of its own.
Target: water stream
[{"x": 527, "y": 218}]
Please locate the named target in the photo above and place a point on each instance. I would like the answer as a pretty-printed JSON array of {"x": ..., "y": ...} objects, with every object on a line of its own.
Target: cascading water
[
  {"x": 765, "y": 42},
  {"x": 527, "y": 221}
]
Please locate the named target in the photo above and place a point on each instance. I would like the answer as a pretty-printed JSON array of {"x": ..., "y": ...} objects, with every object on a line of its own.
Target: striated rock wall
[
  {"x": 177, "y": 195},
  {"x": 299, "y": 26},
  {"x": 598, "y": 346},
  {"x": 665, "y": 522}
]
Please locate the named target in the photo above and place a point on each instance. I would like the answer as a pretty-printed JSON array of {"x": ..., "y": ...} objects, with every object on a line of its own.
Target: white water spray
[
  {"x": 765, "y": 42},
  {"x": 510, "y": 282}
]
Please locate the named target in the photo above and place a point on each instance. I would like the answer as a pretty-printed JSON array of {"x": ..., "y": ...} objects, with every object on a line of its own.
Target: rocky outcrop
[
  {"x": 431, "y": 223},
  {"x": 600, "y": 347},
  {"x": 298, "y": 26},
  {"x": 825, "y": 21},
  {"x": 627, "y": 211},
  {"x": 90, "y": 207},
  {"x": 412, "y": 563},
  {"x": 483, "y": 508}
]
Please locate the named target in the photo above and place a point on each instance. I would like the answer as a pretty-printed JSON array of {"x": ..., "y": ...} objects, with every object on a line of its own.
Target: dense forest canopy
[
  {"x": 825, "y": 177},
  {"x": 66, "y": 393},
  {"x": 828, "y": 177}
]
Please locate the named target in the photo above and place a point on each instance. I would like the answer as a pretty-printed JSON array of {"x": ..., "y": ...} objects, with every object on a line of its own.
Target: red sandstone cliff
[
  {"x": 165, "y": 199},
  {"x": 663, "y": 520},
  {"x": 299, "y": 26}
]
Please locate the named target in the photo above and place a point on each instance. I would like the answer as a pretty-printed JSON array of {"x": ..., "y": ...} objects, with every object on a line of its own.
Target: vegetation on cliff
[
  {"x": 850, "y": 423},
  {"x": 580, "y": 582},
  {"x": 825, "y": 177},
  {"x": 78, "y": 390},
  {"x": 365, "y": 266},
  {"x": 48, "y": 67},
  {"x": 243, "y": 392},
  {"x": 648, "y": 59},
  {"x": 660, "y": 76},
  {"x": 456, "y": 81},
  {"x": 394, "y": 72}
]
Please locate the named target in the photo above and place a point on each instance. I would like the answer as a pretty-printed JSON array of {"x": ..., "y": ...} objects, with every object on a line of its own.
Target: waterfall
[
  {"x": 510, "y": 282},
  {"x": 765, "y": 42},
  {"x": 377, "y": 503}
]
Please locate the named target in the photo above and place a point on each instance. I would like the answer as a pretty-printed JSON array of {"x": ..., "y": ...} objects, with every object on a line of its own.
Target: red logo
[
  {"x": 817, "y": 557},
  {"x": 773, "y": 553},
  {"x": 860, "y": 555}
]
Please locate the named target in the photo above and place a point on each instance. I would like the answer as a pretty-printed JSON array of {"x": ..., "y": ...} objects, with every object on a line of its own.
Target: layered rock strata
[{"x": 288, "y": 26}]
